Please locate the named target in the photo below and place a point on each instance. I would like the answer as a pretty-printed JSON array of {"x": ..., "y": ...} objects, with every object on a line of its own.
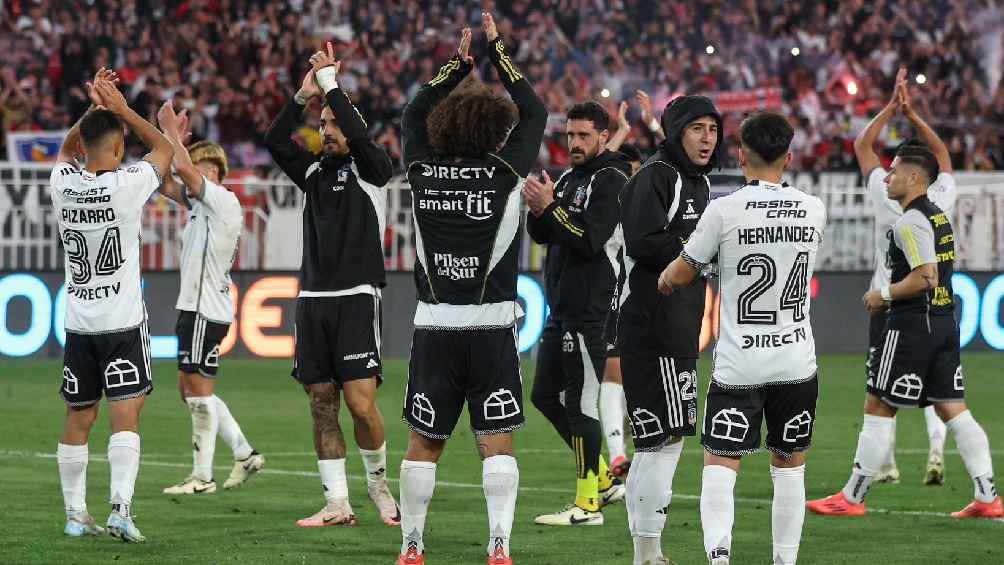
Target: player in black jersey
[
  {"x": 575, "y": 217},
  {"x": 338, "y": 310},
  {"x": 918, "y": 363},
  {"x": 467, "y": 158}
]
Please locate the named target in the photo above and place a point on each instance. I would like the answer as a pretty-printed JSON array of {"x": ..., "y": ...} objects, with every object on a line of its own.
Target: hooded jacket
[
  {"x": 660, "y": 207},
  {"x": 579, "y": 274}
]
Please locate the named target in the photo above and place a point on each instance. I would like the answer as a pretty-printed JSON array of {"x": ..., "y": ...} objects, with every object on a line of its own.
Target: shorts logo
[
  {"x": 798, "y": 427},
  {"x": 568, "y": 343},
  {"x": 372, "y": 363},
  {"x": 959, "y": 381},
  {"x": 213, "y": 357},
  {"x": 422, "y": 410},
  {"x": 644, "y": 424},
  {"x": 355, "y": 356},
  {"x": 185, "y": 359},
  {"x": 500, "y": 405},
  {"x": 70, "y": 383},
  {"x": 730, "y": 424},
  {"x": 908, "y": 386},
  {"x": 121, "y": 372}
]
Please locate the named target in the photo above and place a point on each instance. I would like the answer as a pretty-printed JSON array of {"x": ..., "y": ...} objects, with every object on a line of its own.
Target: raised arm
[
  {"x": 864, "y": 144},
  {"x": 623, "y": 128},
  {"x": 161, "y": 150},
  {"x": 173, "y": 127},
  {"x": 924, "y": 131},
  {"x": 414, "y": 134},
  {"x": 653, "y": 125},
  {"x": 69, "y": 150},
  {"x": 291, "y": 158},
  {"x": 521, "y": 149}
]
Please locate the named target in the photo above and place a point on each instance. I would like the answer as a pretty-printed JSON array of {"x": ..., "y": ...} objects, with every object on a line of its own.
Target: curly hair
[{"x": 471, "y": 122}]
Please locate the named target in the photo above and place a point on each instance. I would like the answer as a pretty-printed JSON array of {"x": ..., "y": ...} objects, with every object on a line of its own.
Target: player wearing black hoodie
[
  {"x": 575, "y": 218},
  {"x": 658, "y": 334}
]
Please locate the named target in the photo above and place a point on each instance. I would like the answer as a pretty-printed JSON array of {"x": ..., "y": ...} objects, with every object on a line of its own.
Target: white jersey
[
  {"x": 100, "y": 218},
  {"x": 208, "y": 250},
  {"x": 766, "y": 237},
  {"x": 942, "y": 192}
]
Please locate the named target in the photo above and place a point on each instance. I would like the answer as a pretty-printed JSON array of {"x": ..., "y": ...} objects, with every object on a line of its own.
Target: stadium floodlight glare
[
  {"x": 795, "y": 51},
  {"x": 852, "y": 87},
  {"x": 710, "y": 49},
  {"x": 605, "y": 93},
  {"x": 921, "y": 79}
]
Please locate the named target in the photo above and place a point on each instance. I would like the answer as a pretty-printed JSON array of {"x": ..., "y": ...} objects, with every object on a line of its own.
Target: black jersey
[
  {"x": 922, "y": 235},
  {"x": 581, "y": 270},
  {"x": 467, "y": 211},
  {"x": 345, "y": 210}
]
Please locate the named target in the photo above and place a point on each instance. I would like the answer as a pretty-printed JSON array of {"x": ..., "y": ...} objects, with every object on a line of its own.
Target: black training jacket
[
  {"x": 345, "y": 211},
  {"x": 580, "y": 272},
  {"x": 467, "y": 210},
  {"x": 660, "y": 207}
]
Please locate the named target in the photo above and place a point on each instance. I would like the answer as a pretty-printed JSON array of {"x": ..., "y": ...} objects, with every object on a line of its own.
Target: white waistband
[
  {"x": 361, "y": 289},
  {"x": 454, "y": 316}
]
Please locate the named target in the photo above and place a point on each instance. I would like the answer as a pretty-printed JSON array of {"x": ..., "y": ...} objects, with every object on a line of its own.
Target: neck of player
[
  {"x": 910, "y": 196},
  {"x": 767, "y": 174}
]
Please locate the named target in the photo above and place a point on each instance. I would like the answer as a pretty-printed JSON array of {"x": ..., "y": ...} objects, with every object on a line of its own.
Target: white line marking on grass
[{"x": 314, "y": 474}]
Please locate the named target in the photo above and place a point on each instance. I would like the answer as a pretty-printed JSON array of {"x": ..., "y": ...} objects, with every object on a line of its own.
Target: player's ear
[
  {"x": 742, "y": 157},
  {"x": 787, "y": 159}
]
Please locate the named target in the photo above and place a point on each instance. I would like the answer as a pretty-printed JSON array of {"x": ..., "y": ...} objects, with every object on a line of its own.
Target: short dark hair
[
  {"x": 471, "y": 122},
  {"x": 766, "y": 136},
  {"x": 97, "y": 124},
  {"x": 917, "y": 153},
  {"x": 592, "y": 111}
]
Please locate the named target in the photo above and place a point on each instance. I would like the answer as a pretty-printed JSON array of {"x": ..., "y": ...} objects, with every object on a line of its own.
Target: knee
[
  {"x": 83, "y": 420},
  {"x": 362, "y": 409},
  {"x": 323, "y": 400}
]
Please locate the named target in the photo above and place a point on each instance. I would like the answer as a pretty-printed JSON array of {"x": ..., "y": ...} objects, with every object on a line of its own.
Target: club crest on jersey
[
  {"x": 343, "y": 177},
  {"x": 580, "y": 197}
]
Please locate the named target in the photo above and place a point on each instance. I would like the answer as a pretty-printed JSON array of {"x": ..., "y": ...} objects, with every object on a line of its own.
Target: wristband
[
  {"x": 326, "y": 78},
  {"x": 653, "y": 125},
  {"x": 886, "y": 293}
]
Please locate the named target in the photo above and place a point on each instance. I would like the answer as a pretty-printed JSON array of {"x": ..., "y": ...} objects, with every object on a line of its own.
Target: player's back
[
  {"x": 99, "y": 217},
  {"x": 770, "y": 238}
]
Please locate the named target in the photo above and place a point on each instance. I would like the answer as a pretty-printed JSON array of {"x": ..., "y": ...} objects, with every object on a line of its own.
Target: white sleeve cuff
[{"x": 326, "y": 79}]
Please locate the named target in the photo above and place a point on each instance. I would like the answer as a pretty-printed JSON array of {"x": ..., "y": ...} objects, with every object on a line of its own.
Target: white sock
[
  {"x": 718, "y": 509},
  {"x": 204, "y": 427},
  {"x": 787, "y": 512},
  {"x": 333, "y": 481},
  {"x": 375, "y": 462},
  {"x": 649, "y": 492},
  {"x": 72, "y": 461},
  {"x": 500, "y": 477},
  {"x": 612, "y": 417},
  {"x": 890, "y": 460},
  {"x": 418, "y": 481},
  {"x": 937, "y": 432},
  {"x": 974, "y": 447},
  {"x": 123, "y": 458},
  {"x": 873, "y": 441},
  {"x": 230, "y": 431}
]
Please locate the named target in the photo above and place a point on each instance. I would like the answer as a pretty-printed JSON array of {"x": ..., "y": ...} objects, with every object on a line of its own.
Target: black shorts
[
  {"x": 117, "y": 364},
  {"x": 917, "y": 363},
  {"x": 337, "y": 339},
  {"x": 661, "y": 394},
  {"x": 876, "y": 335},
  {"x": 613, "y": 347},
  {"x": 732, "y": 418},
  {"x": 570, "y": 362},
  {"x": 449, "y": 367},
  {"x": 199, "y": 343}
]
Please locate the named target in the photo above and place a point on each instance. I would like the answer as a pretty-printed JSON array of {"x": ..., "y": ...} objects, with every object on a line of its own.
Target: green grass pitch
[{"x": 908, "y": 523}]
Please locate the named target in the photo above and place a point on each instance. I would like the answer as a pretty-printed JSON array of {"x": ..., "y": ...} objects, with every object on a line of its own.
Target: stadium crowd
[{"x": 232, "y": 63}]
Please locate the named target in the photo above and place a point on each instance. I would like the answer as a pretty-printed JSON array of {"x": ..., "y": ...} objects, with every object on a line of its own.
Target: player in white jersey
[
  {"x": 99, "y": 208},
  {"x": 205, "y": 304},
  {"x": 942, "y": 193},
  {"x": 766, "y": 236}
]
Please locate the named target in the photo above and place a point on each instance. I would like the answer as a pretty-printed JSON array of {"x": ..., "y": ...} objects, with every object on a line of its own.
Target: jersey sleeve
[
  {"x": 702, "y": 246},
  {"x": 141, "y": 180},
  {"x": 57, "y": 179},
  {"x": 914, "y": 235},
  {"x": 943, "y": 192},
  {"x": 875, "y": 185},
  {"x": 220, "y": 201}
]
